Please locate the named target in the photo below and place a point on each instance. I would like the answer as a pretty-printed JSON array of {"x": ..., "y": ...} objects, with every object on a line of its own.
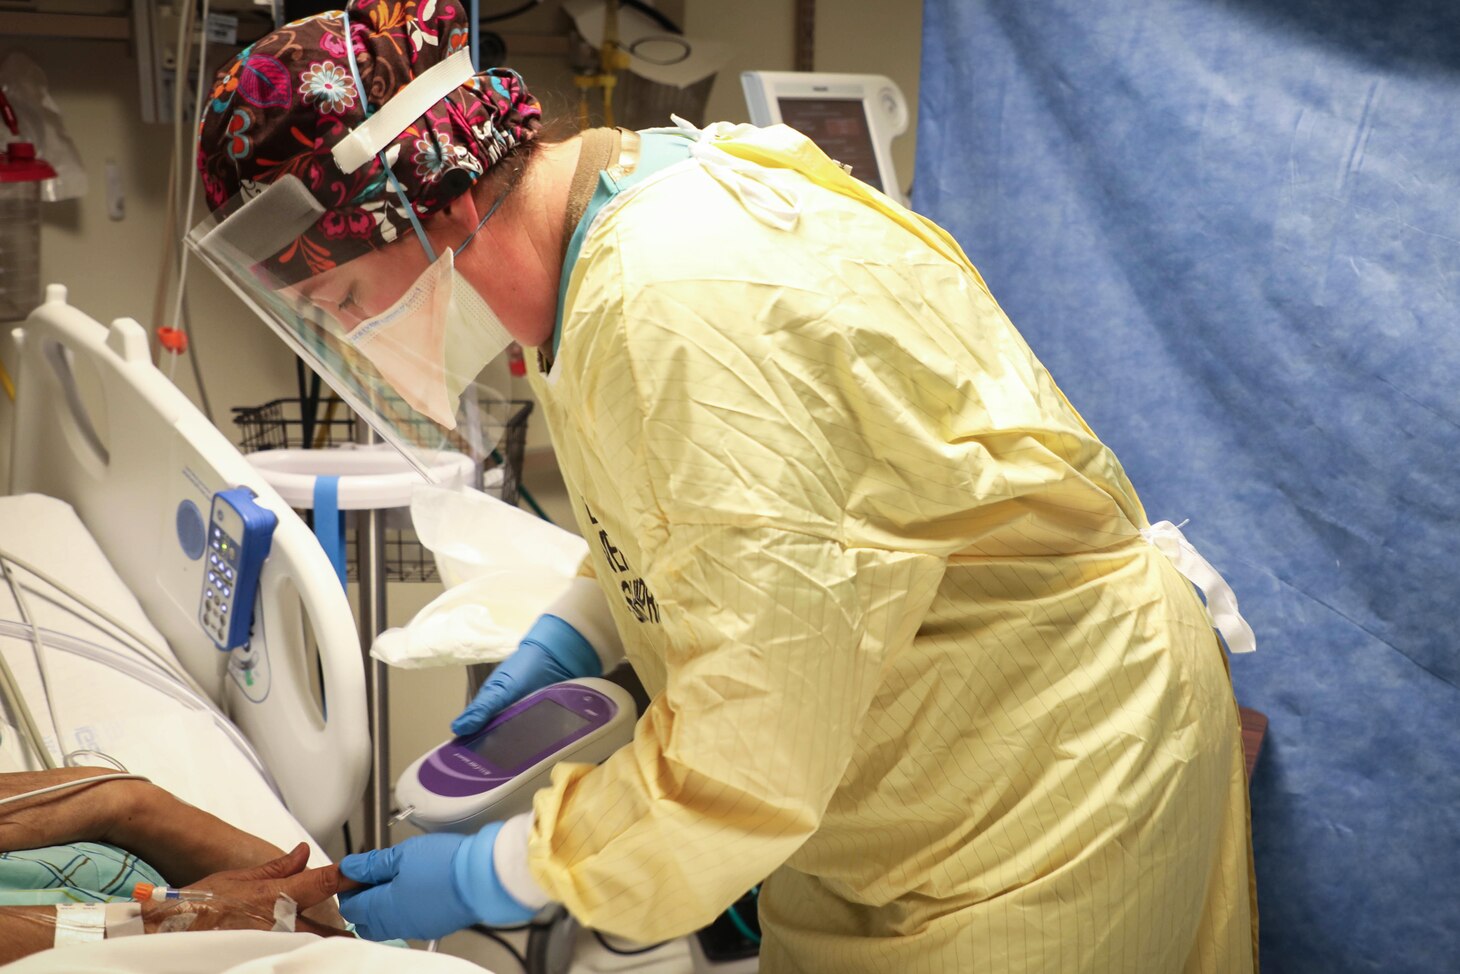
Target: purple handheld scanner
[{"x": 492, "y": 774}]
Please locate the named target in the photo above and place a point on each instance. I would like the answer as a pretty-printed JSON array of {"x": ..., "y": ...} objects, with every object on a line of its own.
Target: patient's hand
[{"x": 244, "y": 899}]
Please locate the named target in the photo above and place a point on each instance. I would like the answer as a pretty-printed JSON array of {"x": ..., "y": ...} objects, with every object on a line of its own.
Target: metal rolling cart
[{"x": 295, "y": 441}]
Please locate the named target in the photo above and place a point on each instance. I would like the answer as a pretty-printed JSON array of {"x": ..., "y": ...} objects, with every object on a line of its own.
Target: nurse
[{"x": 914, "y": 650}]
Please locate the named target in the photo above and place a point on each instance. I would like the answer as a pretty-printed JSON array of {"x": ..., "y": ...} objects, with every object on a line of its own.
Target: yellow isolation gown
[{"x": 910, "y": 655}]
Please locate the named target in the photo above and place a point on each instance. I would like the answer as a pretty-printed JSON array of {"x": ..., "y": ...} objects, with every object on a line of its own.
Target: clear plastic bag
[
  {"x": 502, "y": 568},
  {"x": 24, "y": 84}
]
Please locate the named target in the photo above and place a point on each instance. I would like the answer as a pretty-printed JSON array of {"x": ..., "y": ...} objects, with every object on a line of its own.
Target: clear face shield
[
  {"x": 397, "y": 333},
  {"x": 402, "y": 337}
]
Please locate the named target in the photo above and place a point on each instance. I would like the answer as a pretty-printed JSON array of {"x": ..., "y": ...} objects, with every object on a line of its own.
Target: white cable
[
  {"x": 182, "y": 51},
  {"x": 74, "y": 784},
  {"x": 156, "y": 656},
  {"x": 18, "y": 702},
  {"x": 114, "y": 762},
  {"x": 186, "y": 210}
]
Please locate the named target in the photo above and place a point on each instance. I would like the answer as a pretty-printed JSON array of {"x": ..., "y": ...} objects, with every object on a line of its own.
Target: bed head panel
[{"x": 98, "y": 426}]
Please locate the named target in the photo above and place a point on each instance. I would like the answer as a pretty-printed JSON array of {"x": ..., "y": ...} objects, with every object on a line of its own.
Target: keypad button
[
  {"x": 226, "y": 590},
  {"x": 228, "y": 573},
  {"x": 210, "y": 593}
]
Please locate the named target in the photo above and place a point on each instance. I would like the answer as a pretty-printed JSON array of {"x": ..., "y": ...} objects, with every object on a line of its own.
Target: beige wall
[{"x": 110, "y": 267}]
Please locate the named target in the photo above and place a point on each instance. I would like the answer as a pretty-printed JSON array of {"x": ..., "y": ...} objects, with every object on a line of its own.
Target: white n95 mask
[{"x": 433, "y": 341}]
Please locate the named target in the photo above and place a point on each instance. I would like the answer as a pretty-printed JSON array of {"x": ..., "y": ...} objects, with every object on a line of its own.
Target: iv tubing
[
  {"x": 143, "y": 644},
  {"x": 163, "y": 682},
  {"x": 12, "y": 690},
  {"x": 18, "y": 703}
]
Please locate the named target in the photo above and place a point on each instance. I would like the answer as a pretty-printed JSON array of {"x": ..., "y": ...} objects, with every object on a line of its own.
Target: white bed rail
[{"x": 98, "y": 426}]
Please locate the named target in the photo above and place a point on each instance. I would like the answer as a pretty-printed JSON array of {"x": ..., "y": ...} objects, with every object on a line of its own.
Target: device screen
[
  {"x": 515, "y": 742},
  {"x": 839, "y": 126}
]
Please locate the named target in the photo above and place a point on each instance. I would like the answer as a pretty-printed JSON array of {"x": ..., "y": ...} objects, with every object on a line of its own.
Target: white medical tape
[
  {"x": 285, "y": 913},
  {"x": 124, "y": 920},
  {"x": 80, "y": 923},
  {"x": 404, "y": 107},
  {"x": 1221, "y": 600}
]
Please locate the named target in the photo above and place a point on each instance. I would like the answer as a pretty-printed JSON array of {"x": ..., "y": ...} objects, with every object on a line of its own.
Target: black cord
[
  {"x": 502, "y": 942},
  {"x": 508, "y": 14},
  {"x": 665, "y": 24},
  {"x": 349, "y": 843},
  {"x": 623, "y": 952}
]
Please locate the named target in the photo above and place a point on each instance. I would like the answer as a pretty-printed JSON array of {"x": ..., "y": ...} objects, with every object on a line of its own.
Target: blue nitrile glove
[
  {"x": 551, "y": 652},
  {"x": 429, "y": 886}
]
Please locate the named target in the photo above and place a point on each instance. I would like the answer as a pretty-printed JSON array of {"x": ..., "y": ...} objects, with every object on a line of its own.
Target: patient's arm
[
  {"x": 24, "y": 930},
  {"x": 185, "y": 844},
  {"x": 78, "y": 814},
  {"x": 181, "y": 842}
]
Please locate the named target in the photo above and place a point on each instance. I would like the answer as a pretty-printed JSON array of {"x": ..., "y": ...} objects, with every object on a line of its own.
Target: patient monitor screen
[
  {"x": 541, "y": 727},
  {"x": 839, "y": 126}
]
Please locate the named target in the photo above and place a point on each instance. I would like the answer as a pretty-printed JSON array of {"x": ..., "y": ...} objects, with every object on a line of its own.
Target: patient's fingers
[
  {"x": 311, "y": 886},
  {"x": 286, "y": 865},
  {"x": 344, "y": 883}
]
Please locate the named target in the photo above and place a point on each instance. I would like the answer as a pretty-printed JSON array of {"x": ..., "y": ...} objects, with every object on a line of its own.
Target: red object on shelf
[
  {"x": 18, "y": 164},
  {"x": 515, "y": 362},
  {"x": 175, "y": 340},
  {"x": 8, "y": 113}
]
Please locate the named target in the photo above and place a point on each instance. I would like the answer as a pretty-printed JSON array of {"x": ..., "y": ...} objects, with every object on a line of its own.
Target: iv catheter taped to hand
[
  {"x": 502, "y": 569},
  {"x": 79, "y": 923}
]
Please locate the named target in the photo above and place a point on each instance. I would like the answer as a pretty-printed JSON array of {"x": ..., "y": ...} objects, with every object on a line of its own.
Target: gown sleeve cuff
[
  {"x": 584, "y": 607},
  {"x": 509, "y": 858}
]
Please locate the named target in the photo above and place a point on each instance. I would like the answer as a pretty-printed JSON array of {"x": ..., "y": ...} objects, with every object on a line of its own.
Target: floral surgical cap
[{"x": 283, "y": 103}]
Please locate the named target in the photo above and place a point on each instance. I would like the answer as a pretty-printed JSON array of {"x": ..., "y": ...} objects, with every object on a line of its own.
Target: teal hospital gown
[{"x": 80, "y": 872}]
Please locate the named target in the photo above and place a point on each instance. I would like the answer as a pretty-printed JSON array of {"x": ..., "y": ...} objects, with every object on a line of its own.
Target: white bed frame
[{"x": 98, "y": 426}]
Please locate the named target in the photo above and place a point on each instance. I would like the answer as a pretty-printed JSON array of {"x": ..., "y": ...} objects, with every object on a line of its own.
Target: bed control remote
[{"x": 239, "y": 535}]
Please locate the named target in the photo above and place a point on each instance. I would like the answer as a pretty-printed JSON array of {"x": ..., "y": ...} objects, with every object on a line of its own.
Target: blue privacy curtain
[{"x": 1232, "y": 232}]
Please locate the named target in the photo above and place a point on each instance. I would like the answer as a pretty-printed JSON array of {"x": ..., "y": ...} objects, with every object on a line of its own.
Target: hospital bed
[{"x": 112, "y": 473}]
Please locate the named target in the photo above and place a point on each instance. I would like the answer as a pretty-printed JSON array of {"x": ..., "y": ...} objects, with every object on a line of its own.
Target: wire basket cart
[{"x": 327, "y": 422}]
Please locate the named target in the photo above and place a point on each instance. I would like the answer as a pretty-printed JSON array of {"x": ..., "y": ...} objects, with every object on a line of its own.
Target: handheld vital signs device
[{"x": 492, "y": 774}]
